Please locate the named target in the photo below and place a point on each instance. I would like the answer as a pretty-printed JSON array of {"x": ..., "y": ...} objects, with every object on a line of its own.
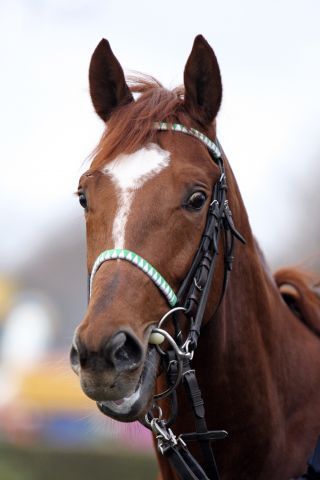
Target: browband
[{"x": 177, "y": 127}]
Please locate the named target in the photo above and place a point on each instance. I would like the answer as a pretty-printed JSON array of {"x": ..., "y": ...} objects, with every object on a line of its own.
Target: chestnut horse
[{"x": 149, "y": 191}]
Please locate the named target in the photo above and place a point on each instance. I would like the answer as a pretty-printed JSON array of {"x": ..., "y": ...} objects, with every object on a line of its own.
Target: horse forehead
[{"x": 131, "y": 171}]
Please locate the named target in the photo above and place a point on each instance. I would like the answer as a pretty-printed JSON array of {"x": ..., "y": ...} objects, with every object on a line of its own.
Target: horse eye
[
  {"x": 197, "y": 200},
  {"x": 82, "y": 200}
]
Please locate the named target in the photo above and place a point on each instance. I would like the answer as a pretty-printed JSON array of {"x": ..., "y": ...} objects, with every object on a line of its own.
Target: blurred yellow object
[
  {"x": 51, "y": 388},
  {"x": 7, "y": 290}
]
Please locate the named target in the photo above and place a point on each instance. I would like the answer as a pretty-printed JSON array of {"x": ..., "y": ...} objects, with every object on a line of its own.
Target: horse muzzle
[{"x": 120, "y": 377}]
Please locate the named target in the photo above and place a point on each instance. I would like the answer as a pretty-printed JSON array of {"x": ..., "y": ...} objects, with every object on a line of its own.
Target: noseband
[
  {"x": 191, "y": 299},
  {"x": 141, "y": 263}
]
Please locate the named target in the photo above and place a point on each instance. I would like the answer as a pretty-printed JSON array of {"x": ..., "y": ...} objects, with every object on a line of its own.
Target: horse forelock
[{"x": 132, "y": 126}]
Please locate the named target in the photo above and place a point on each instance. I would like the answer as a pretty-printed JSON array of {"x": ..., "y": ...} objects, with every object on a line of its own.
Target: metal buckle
[
  {"x": 186, "y": 346},
  {"x": 197, "y": 285},
  {"x": 164, "y": 436}
]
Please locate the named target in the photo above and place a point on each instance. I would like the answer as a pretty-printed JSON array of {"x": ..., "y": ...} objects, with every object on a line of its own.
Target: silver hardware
[
  {"x": 188, "y": 371},
  {"x": 155, "y": 406},
  {"x": 148, "y": 419},
  {"x": 170, "y": 312},
  {"x": 164, "y": 435},
  {"x": 180, "y": 353},
  {"x": 185, "y": 347},
  {"x": 172, "y": 362},
  {"x": 197, "y": 285},
  {"x": 163, "y": 432},
  {"x": 181, "y": 441}
]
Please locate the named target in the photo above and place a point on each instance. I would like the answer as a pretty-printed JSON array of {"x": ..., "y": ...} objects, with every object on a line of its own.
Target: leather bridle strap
[
  {"x": 177, "y": 127},
  {"x": 183, "y": 463},
  {"x": 192, "y": 297},
  {"x": 195, "y": 397},
  {"x": 195, "y": 289}
]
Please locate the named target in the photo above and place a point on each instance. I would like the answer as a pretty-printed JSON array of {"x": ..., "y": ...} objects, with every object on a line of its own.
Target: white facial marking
[{"x": 129, "y": 173}]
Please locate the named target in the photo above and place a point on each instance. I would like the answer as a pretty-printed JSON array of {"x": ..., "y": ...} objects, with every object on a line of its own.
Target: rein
[{"x": 191, "y": 299}]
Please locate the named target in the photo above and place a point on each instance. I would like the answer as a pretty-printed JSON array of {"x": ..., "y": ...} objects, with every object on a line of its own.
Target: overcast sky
[{"x": 269, "y": 55}]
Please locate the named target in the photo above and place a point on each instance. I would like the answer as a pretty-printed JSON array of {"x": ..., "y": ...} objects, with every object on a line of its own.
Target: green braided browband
[
  {"x": 123, "y": 254},
  {"x": 177, "y": 127}
]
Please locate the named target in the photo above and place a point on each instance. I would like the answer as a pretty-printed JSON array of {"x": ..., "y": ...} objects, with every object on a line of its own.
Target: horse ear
[
  {"x": 108, "y": 88},
  {"x": 202, "y": 81}
]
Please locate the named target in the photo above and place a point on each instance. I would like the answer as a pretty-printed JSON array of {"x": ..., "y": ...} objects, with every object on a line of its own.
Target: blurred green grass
[{"x": 41, "y": 463}]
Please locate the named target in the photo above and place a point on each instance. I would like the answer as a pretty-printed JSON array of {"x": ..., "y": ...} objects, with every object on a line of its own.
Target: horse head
[{"x": 145, "y": 196}]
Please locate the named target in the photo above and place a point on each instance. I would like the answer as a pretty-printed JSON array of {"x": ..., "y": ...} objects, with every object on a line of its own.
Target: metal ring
[
  {"x": 170, "y": 312},
  {"x": 154, "y": 406},
  {"x": 159, "y": 349},
  {"x": 164, "y": 318},
  {"x": 179, "y": 354}
]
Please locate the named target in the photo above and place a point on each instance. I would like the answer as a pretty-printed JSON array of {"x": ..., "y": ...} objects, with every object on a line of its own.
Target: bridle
[{"x": 191, "y": 301}]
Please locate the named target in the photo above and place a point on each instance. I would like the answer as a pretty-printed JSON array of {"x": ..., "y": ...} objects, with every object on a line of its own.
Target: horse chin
[{"x": 136, "y": 405}]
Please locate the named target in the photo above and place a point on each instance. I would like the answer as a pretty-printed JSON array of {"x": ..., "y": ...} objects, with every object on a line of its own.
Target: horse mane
[
  {"x": 301, "y": 291},
  {"x": 131, "y": 126}
]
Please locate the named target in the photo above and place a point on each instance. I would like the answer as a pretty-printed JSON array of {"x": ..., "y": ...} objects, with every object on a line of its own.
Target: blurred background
[{"x": 269, "y": 54}]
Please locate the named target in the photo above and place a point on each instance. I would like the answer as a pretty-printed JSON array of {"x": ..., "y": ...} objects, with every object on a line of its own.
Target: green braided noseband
[
  {"x": 135, "y": 259},
  {"x": 123, "y": 254}
]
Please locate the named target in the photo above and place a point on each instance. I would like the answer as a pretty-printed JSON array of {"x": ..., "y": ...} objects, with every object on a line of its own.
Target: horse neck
[
  {"x": 254, "y": 331},
  {"x": 250, "y": 363},
  {"x": 254, "y": 371},
  {"x": 253, "y": 313}
]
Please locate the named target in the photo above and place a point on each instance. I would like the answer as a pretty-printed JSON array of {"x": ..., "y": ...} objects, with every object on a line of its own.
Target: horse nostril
[
  {"x": 123, "y": 351},
  {"x": 74, "y": 359},
  {"x": 78, "y": 356}
]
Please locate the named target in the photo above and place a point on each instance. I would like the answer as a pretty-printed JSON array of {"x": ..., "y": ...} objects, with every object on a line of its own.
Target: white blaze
[{"x": 129, "y": 173}]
